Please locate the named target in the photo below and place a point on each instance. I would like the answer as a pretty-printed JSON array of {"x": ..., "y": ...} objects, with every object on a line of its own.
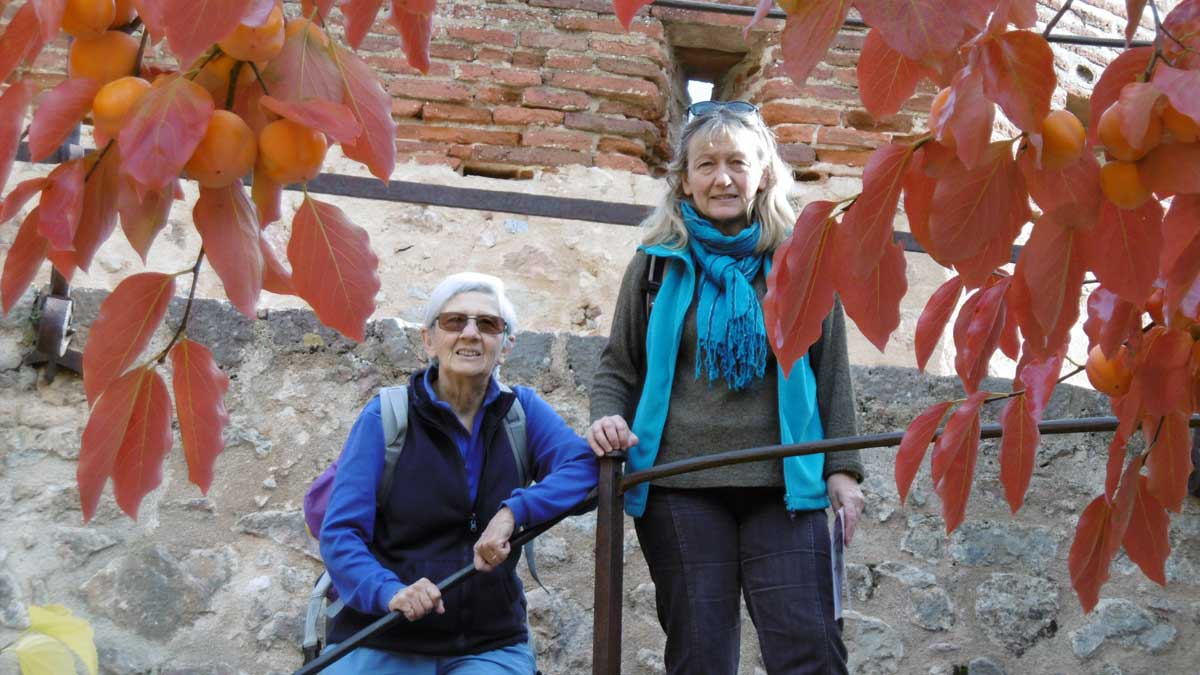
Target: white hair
[{"x": 471, "y": 282}]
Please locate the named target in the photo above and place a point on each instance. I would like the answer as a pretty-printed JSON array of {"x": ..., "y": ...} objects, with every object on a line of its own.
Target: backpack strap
[
  {"x": 514, "y": 428},
  {"x": 393, "y": 409},
  {"x": 654, "y": 279}
]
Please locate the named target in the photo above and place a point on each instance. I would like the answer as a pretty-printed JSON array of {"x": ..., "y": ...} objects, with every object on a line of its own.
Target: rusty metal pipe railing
[{"x": 610, "y": 523}]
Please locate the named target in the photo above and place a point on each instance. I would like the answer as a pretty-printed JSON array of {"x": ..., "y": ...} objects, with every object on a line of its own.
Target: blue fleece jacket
[{"x": 563, "y": 466}]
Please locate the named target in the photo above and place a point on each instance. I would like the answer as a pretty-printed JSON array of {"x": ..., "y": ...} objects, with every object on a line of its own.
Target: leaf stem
[
  {"x": 258, "y": 76},
  {"x": 1060, "y": 380},
  {"x": 137, "y": 62},
  {"x": 234, "y": 73},
  {"x": 1054, "y": 22},
  {"x": 187, "y": 310},
  {"x": 99, "y": 158},
  {"x": 212, "y": 54}
]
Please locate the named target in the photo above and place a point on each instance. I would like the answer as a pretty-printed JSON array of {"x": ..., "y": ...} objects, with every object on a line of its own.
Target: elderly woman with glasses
[
  {"x": 455, "y": 499},
  {"x": 688, "y": 372}
]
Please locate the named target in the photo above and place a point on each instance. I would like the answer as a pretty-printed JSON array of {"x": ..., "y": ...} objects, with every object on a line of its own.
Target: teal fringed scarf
[{"x": 732, "y": 340}]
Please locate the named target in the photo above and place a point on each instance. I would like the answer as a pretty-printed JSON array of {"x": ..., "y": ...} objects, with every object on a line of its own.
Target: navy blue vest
[{"x": 429, "y": 529}]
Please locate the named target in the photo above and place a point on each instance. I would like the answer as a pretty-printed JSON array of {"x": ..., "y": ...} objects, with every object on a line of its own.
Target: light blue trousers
[{"x": 514, "y": 660}]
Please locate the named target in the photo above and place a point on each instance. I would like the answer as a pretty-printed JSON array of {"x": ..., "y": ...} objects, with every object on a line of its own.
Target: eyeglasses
[
  {"x": 454, "y": 322},
  {"x": 703, "y": 108}
]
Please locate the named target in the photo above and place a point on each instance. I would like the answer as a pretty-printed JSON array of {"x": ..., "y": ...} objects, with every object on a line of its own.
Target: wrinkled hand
[
  {"x": 493, "y": 548},
  {"x": 609, "y": 434},
  {"x": 845, "y": 493},
  {"x": 417, "y": 600}
]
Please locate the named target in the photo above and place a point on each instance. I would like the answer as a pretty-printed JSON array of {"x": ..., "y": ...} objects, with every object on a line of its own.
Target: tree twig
[
  {"x": 234, "y": 74},
  {"x": 137, "y": 62},
  {"x": 99, "y": 158},
  {"x": 258, "y": 76},
  {"x": 1054, "y": 22},
  {"x": 187, "y": 310}
]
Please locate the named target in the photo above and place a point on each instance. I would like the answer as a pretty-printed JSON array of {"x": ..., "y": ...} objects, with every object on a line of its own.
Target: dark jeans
[{"x": 705, "y": 547}]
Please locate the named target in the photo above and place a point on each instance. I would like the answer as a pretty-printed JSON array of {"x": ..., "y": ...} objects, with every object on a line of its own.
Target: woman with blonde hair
[{"x": 688, "y": 362}]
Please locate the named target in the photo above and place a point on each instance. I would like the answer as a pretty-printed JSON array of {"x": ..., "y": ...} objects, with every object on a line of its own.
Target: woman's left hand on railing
[{"x": 493, "y": 548}]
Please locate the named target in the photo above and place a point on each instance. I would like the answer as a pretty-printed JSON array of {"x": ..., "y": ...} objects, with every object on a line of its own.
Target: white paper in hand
[{"x": 837, "y": 547}]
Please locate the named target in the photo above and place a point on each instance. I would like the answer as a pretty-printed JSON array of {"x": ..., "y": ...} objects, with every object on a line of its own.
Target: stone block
[
  {"x": 1017, "y": 610},
  {"x": 530, "y": 358}
]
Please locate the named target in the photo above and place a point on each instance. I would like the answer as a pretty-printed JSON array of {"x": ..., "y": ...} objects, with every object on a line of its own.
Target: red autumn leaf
[
  {"x": 1111, "y": 320},
  {"x": 918, "y": 198},
  {"x": 276, "y": 278},
  {"x": 1123, "y": 250},
  {"x": 1180, "y": 227},
  {"x": 104, "y": 435},
  {"x": 866, "y": 229},
  {"x": 333, "y": 267},
  {"x": 303, "y": 70},
  {"x": 916, "y": 441},
  {"x": 1170, "y": 459},
  {"x": 1018, "y": 447},
  {"x": 229, "y": 230},
  {"x": 13, "y": 104},
  {"x": 1116, "y": 460},
  {"x": 626, "y": 9},
  {"x": 22, "y": 40},
  {"x": 971, "y": 207},
  {"x": 1160, "y": 373},
  {"x": 57, "y": 115},
  {"x": 267, "y": 196},
  {"x": 1183, "y": 283},
  {"x": 192, "y": 26},
  {"x": 760, "y": 13},
  {"x": 1092, "y": 552},
  {"x": 917, "y": 28},
  {"x": 257, "y": 13},
  {"x": 167, "y": 125},
  {"x": 1018, "y": 74},
  {"x": 968, "y": 115},
  {"x": 1070, "y": 195},
  {"x": 979, "y": 269},
  {"x": 152, "y": 12},
  {"x": 934, "y": 318},
  {"x": 1180, "y": 87},
  {"x": 1133, "y": 10},
  {"x": 322, "y": 6},
  {"x": 1146, "y": 541},
  {"x": 62, "y": 204},
  {"x": 334, "y": 119},
  {"x": 808, "y": 33},
  {"x": 874, "y": 302},
  {"x": 953, "y": 461},
  {"x": 1124, "y": 69},
  {"x": 413, "y": 19},
  {"x": 977, "y": 333},
  {"x": 1140, "y": 103},
  {"x": 1052, "y": 266},
  {"x": 200, "y": 388},
  {"x": 246, "y": 104},
  {"x": 1172, "y": 168},
  {"x": 886, "y": 78},
  {"x": 143, "y": 216},
  {"x": 360, "y": 16},
  {"x": 18, "y": 197},
  {"x": 800, "y": 286},
  {"x": 1039, "y": 376},
  {"x": 97, "y": 218},
  {"x": 372, "y": 106},
  {"x": 1010, "y": 335},
  {"x": 1020, "y": 13},
  {"x": 137, "y": 469},
  {"x": 50, "y": 15},
  {"x": 127, "y": 320},
  {"x": 22, "y": 262}
]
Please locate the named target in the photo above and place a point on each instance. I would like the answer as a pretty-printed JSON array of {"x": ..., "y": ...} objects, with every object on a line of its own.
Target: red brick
[
  {"x": 646, "y": 50},
  {"x": 531, "y": 156},
  {"x": 558, "y": 138},
  {"x": 562, "y": 61},
  {"x": 489, "y": 11},
  {"x": 493, "y": 55},
  {"x": 461, "y": 151},
  {"x": 494, "y": 95},
  {"x": 625, "y": 146},
  {"x": 517, "y": 77},
  {"x": 483, "y": 36},
  {"x": 775, "y": 112},
  {"x": 630, "y": 110},
  {"x": 405, "y": 108},
  {"x": 797, "y": 153},
  {"x": 849, "y": 40},
  {"x": 398, "y": 65},
  {"x": 777, "y": 88},
  {"x": 429, "y": 90},
  {"x": 619, "y": 162},
  {"x": 455, "y": 52},
  {"x": 547, "y": 40},
  {"x": 406, "y": 147},
  {"x": 528, "y": 59},
  {"x": 445, "y": 112},
  {"x": 844, "y": 157},
  {"x": 526, "y": 116},
  {"x": 861, "y": 119},
  {"x": 590, "y": 24},
  {"x": 598, "y": 6},
  {"x": 612, "y": 125},
  {"x": 631, "y": 67},
  {"x": 466, "y": 135},
  {"x": 795, "y": 133},
  {"x": 850, "y": 137},
  {"x": 473, "y": 72},
  {"x": 431, "y": 160},
  {"x": 373, "y": 42},
  {"x": 624, "y": 88},
  {"x": 556, "y": 99}
]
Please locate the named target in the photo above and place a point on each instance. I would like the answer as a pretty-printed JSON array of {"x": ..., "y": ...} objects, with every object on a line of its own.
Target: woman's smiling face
[
  {"x": 724, "y": 174},
  {"x": 469, "y": 352}
]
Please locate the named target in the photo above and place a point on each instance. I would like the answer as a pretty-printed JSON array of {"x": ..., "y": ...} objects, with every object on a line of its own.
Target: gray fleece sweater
[{"x": 705, "y": 418}]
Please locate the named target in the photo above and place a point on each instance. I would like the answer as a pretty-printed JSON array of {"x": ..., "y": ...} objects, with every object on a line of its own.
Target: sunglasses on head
[
  {"x": 703, "y": 108},
  {"x": 453, "y": 322}
]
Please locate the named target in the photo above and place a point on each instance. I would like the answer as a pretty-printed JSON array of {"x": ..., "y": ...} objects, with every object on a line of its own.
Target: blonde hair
[{"x": 771, "y": 207}]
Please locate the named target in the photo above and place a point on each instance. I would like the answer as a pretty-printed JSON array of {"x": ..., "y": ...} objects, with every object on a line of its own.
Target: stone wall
[{"x": 218, "y": 583}]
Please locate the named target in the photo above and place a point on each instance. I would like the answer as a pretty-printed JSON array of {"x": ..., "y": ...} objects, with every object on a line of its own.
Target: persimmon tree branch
[
  {"x": 187, "y": 309},
  {"x": 137, "y": 62},
  {"x": 258, "y": 76},
  {"x": 99, "y": 158},
  {"x": 234, "y": 73},
  {"x": 1054, "y": 22}
]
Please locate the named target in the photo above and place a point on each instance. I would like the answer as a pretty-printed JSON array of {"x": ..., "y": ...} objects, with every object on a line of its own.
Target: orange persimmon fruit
[
  {"x": 110, "y": 56},
  {"x": 1181, "y": 127},
  {"x": 1110, "y": 376},
  {"x": 87, "y": 18},
  {"x": 226, "y": 152},
  {"x": 256, "y": 43},
  {"x": 124, "y": 14},
  {"x": 290, "y": 152},
  {"x": 1122, "y": 185},
  {"x": 113, "y": 102},
  {"x": 1062, "y": 140},
  {"x": 1115, "y": 142}
]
